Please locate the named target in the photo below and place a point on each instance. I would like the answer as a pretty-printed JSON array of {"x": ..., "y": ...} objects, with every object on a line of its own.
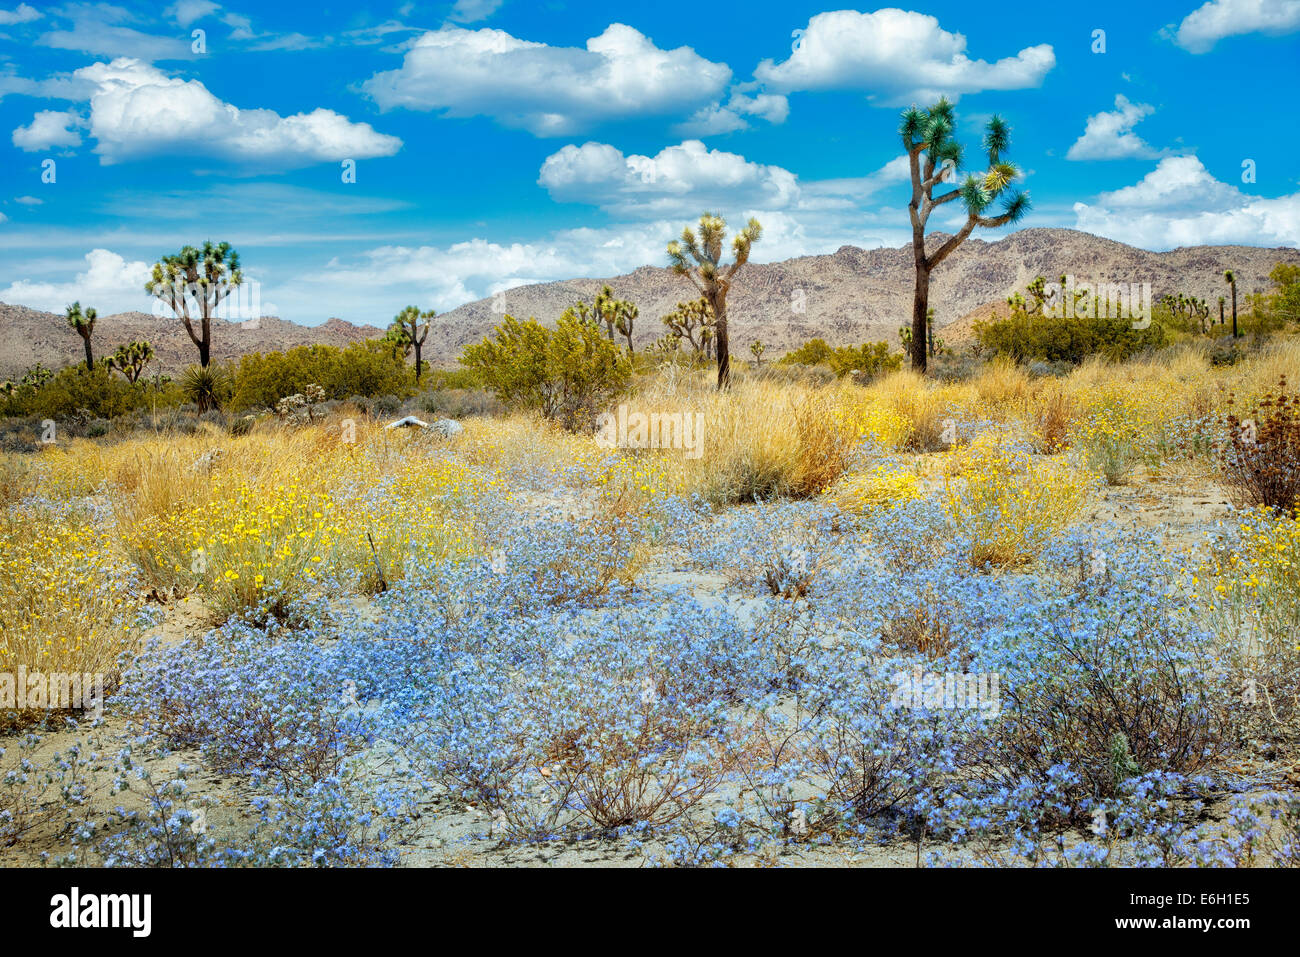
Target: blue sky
[{"x": 498, "y": 142}]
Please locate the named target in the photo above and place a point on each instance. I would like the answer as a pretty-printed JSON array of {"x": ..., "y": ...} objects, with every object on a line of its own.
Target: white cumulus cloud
[
  {"x": 109, "y": 282},
  {"x": 138, "y": 110},
  {"x": 1209, "y": 23},
  {"x": 683, "y": 178},
  {"x": 548, "y": 90},
  {"x": 48, "y": 128},
  {"x": 1109, "y": 134},
  {"x": 1180, "y": 203},
  {"x": 897, "y": 57}
]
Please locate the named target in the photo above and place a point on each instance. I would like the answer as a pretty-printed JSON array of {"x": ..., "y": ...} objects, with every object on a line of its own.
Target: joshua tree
[
  {"x": 933, "y": 154},
  {"x": 617, "y": 314},
  {"x": 757, "y": 348},
  {"x": 1230, "y": 278},
  {"x": 686, "y": 318},
  {"x": 84, "y": 324},
  {"x": 410, "y": 328},
  {"x": 1221, "y": 301},
  {"x": 193, "y": 283},
  {"x": 697, "y": 258},
  {"x": 130, "y": 359}
]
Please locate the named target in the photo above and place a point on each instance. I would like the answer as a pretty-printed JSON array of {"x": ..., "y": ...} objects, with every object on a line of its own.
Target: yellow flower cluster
[
  {"x": 1255, "y": 583},
  {"x": 65, "y": 598},
  {"x": 1007, "y": 501},
  {"x": 871, "y": 420},
  {"x": 884, "y": 486}
]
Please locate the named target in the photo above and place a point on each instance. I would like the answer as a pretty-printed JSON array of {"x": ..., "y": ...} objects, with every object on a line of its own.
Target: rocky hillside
[
  {"x": 849, "y": 296},
  {"x": 855, "y": 295},
  {"x": 28, "y": 336}
]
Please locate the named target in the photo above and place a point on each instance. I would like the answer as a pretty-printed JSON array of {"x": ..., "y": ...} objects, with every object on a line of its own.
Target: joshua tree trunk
[
  {"x": 720, "y": 343},
  {"x": 90, "y": 358},
  {"x": 418, "y": 348},
  {"x": 920, "y": 307},
  {"x": 1234, "y": 310}
]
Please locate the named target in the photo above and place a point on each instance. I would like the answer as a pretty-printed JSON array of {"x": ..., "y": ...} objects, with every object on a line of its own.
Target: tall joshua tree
[
  {"x": 617, "y": 314},
  {"x": 410, "y": 328},
  {"x": 933, "y": 155},
  {"x": 698, "y": 259},
  {"x": 84, "y": 324},
  {"x": 1230, "y": 278},
  {"x": 192, "y": 284}
]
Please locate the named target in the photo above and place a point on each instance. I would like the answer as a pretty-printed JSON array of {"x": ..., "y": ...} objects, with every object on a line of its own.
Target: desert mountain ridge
[{"x": 852, "y": 295}]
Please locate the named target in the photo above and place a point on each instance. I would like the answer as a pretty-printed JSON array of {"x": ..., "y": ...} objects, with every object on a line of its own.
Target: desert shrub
[
  {"x": 278, "y": 709},
  {"x": 459, "y": 403},
  {"x": 78, "y": 392},
  {"x": 811, "y": 353},
  {"x": 1260, "y": 461},
  {"x": 868, "y": 360},
  {"x": 1107, "y": 679},
  {"x": 909, "y": 396},
  {"x": 366, "y": 369},
  {"x": 1053, "y": 421},
  {"x": 1110, "y": 438},
  {"x": 568, "y": 374},
  {"x": 68, "y": 604},
  {"x": 1025, "y": 337},
  {"x": 1250, "y": 593},
  {"x": 885, "y": 486}
]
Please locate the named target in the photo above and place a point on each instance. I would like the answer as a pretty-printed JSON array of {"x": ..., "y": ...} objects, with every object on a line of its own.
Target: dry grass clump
[{"x": 920, "y": 403}]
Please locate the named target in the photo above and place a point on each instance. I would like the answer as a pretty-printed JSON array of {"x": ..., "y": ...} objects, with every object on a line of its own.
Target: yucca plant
[
  {"x": 84, "y": 325},
  {"x": 698, "y": 258},
  {"x": 933, "y": 154},
  {"x": 206, "y": 386}
]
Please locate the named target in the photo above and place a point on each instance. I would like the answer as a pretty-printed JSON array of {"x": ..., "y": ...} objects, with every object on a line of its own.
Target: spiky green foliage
[
  {"x": 686, "y": 320},
  {"x": 192, "y": 284},
  {"x": 208, "y": 387},
  {"x": 617, "y": 314},
  {"x": 935, "y": 159},
  {"x": 408, "y": 331},
  {"x": 699, "y": 259},
  {"x": 84, "y": 325},
  {"x": 130, "y": 359}
]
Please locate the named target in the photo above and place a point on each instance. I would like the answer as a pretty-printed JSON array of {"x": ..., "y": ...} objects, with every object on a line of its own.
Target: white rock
[{"x": 408, "y": 422}]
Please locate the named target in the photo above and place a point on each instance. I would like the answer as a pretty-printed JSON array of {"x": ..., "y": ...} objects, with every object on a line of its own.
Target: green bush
[
  {"x": 366, "y": 369},
  {"x": 76, "y": 391},
  {"x": 1024, "y": 337},
  {"x": 869, "y": 359},
  {"x": 568, "y": 374},
  {"x": 814, "y": 352}
]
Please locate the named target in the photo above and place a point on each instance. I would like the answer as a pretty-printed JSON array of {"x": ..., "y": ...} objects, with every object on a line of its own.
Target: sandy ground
[{"x": 1182, "y": 508}]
